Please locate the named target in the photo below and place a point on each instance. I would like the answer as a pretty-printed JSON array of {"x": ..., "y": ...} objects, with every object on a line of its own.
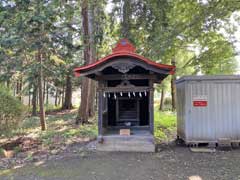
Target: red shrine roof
[{"x": 124, "y": 49}]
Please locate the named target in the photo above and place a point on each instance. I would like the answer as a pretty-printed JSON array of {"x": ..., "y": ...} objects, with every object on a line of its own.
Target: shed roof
[
  {"x": 124, "y": 49},
  {"x": 208, "y": 78}
]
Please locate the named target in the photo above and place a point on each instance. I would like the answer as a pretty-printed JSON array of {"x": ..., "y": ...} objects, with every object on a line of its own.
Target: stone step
[
  {"x": 127, "y": 112},
  {"x": 127, "y": 143},
  {"x": 133, "y": 138},
  {"x": 127, "y": 119},
  {"x": 128, "y": 115}
]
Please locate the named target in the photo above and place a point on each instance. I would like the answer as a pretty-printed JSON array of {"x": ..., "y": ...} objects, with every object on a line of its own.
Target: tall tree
[
  {"x": 40, "y": 88},
  {"x": 126, "y": 19},
  {"x": 84, "y": 109},
  {"x": 92, "y": 15},
  {"x": 34, "y": 100},
  {"x": 173, "y": 87}
]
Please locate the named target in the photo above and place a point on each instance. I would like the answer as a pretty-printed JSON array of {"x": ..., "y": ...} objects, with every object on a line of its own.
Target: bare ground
[{"x": 171, "y": 163}]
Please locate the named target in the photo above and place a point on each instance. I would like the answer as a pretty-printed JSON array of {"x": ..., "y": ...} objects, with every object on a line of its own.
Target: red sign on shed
[{"x": 200, "y": 101}]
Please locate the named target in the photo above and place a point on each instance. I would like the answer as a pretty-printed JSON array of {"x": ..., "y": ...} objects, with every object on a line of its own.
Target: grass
[
  {"x": 63, "y": 128},
  {"x": 60, "y": 127},
  {"x": 165, "y": 125},
  {"x": 47, "y": 107},
  {"x": 1, "y": 152},
  {"x": 5, "y": 172},
  {"x": 66, "y": 134}
]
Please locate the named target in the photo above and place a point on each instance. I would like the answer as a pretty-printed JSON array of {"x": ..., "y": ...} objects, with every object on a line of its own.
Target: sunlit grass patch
[
  {"x": 63, "y": 135},
  {"x": 30, "y": 122},
  {"x": 164, "y": 125},
  {"x": 63, "y": 117},
  {"x": 60, "y": 129},
  {"x": 5, "y": 172},
  {"x": 166, "y": 119}
]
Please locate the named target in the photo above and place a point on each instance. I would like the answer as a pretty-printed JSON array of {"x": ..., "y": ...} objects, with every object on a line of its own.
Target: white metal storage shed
[{"x": 208, "y": 108}]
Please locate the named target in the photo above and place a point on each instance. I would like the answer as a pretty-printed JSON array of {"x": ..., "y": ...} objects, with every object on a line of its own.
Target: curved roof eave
[{"x": 78, "y": 70}]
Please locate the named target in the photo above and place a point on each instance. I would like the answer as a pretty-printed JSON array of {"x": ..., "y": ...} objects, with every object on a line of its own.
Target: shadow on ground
[{"x": 173, "y": 163}]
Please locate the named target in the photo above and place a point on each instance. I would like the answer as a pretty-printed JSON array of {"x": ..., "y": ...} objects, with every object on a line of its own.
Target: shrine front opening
[{"x": 126, "y": 106}]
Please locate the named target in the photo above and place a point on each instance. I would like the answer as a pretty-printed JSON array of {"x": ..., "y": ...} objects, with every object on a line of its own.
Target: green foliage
[
  {"x": 87, "y": 131},
  {"x": 61, "y": 127},
  {"x": 17, "y": 149},
  {"x": 1, "y": 152},
  {"x": 167, "y": 103},
  {"x": 12, "y": 111},
  {"x": 50, "y": 107},
  {"x": 187, "y": 31},
  {"x": 29, "y": 157},
  {"x": 164, "y": 124},
  {"x": 30, "y": 122},
  {"x": 28, "y": 27},
  {"x": 217, "y": 56}
]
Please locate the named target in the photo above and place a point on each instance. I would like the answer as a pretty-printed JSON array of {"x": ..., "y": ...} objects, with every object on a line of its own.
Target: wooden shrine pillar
[
  {"x": 117, "y": 110},
  {"x": 100, "y": 109},
  {"x": 151, "y": 107}
]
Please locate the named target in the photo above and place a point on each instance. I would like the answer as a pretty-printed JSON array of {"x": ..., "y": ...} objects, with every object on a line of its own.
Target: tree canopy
[{"x": 42, "y": 41}]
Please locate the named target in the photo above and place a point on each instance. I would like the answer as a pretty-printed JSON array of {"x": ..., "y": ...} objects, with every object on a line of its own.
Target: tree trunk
[
  {"x": 29, "y": 95},
  {"x": 63, "y": 94},
  {"x": 173, "y": 88},
  {"x": 40, "y": 90},
  {"x": 83, "y": 113},
  {"x": 161, "y": 107},
  {"x": 37, "y": 99},
  {"x": 34, "y": 100},
  {"x": 68, "y": 93},
  {"x": 44, "y": 89},
  {"x": 126, "y": 21},
  {"x": 19, "y": 89},
  {"x": 92, "y": 97},
  {"x": 86, "y": 108},
  {"x": 14, "y": 89},
  {"x": 92, "y": 57},
  {"x": 56, "y": 97},
  {"x": 47, "y": 92},
  {"x": 21, "y": 85},
  {"x": 8, "y": 83},
  {"x": 59, "y": 98}
]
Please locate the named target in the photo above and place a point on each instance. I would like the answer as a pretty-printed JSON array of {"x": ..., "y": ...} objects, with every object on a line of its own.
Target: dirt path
[{"x": 174, "y": 163}]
